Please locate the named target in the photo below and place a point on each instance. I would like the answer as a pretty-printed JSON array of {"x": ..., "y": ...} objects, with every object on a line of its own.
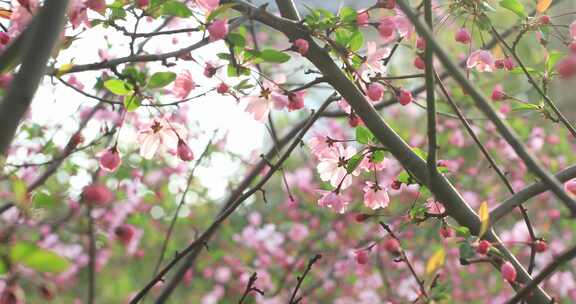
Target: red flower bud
[
  {"x": 97, "y": 194},
  {"x": 184, "y": 151},
  {"x": 483, "y": 247},
  {"x": 508, "y": 272}
]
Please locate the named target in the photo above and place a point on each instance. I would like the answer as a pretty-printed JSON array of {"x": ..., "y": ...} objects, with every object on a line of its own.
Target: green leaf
[
  {"x": 404, "y": 178},
  {"x": 462, "y": 231},
  {"x": 39, "y": 259},
  {"x": 161, "y": 79},
  {"x": 356, "y": 41},
  {"x": 363, "y": 135},
  {"x": 515, "y": 6},
  {"x": 43, "y": 200},
  {"x": 132, "y": 102},
  {"x": 176, "y": 9},
  {"x": 235, "y": 71},
  {"x": 354, "y": 162},
  {"x": 377, "y": 156},
  {"x": 118, "y": 87},
  {"x": 348, "y": 14},
  {"x": 270, "y": 55},
  {"x": 236, "y": 40}
]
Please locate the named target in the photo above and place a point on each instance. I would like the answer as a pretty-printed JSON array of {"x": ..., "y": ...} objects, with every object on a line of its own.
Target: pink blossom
[
  {"x": 573, "y": 30},
  {"x": 566, "y": 67},
  {"x": 420, "y": 43},
  {"x": 374, "y": 56},
  {"x": 159, "y": 133},
  {"x": 298, "y": 232},
  {"x": 218, "y": 29},
  {"x": 184, "y": 152},
  {"x": 362, "y": 257},
  {"x": 374, "y": 196},
  {"x": 222, "y": 88},
  {"x": 386, "y": 27},
  {"x": 434, "y": 207},
  {"x": 208, "y": 5},
  {"x": 482, "y": 60},
  {"x": 183, "y": 85},
  {"x": 319, "y": 145},
  {"x": 333, "y": 201},
  {"x": 258, "y": 107},
  {"x": 301, "y": 46},
  {"x": 332, "y": 166}
]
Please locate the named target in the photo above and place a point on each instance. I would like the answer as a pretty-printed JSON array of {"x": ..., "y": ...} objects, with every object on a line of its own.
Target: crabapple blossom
[
  {"x": 160, "y": 133},
  {"x": 332, "y": 166},
  {"x": 333, "y": 200},
  {"x": 362, "y": 18},
  {"x": 183, "y": 85},
  {"x": 374, "y": 196},
  {"x": 392, "y": 246},
  {"x": 481, "y": 60},
  {"x": 362, "y": 256},
  {"x": 386, "y": 27},
  {"x": 296, "y": 100}
]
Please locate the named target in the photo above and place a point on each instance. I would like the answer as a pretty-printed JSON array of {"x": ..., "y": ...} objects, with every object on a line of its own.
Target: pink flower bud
[
  {"x": 142, "y": 3},
  {"x": 463, "y": 36},
  {"x": 420, "y": 43},
  {"x": 540, "y": 246},
  {"x": 301, "y": 46},
  {"x": 392, "y": 246},
  {"x": 125, "y": 233},
  {"x": 296, "y": 100},
  {"x": 184, "y": 151},
  {"x": 483, "y": 247},
  {"x": 97, "y": 194},
  {"x": 110, "y": 159},
  {"x": 97, "y": 5},
  {"x": 545, "y": 20},
  {"x": 222, "y": 88},
  {"x": 567, "y": 66},
  {"x": 361, "y": 217},
  {"x": 375, "y": 91},
  {"x": 218, "y": 29},
  {"x": 354, "y": 120},
  {"x": 508, "y": 272},
  {"x": 363, "y": 18},
  {"x": 498, "y": 93},
  {"x": 446, "y": 232},
  {"x": 362, "y": 257},
  {"x": 4, "y": 38},
  {"x": 509, "y": 63},
  {"x": 419, "y": 63},
  {"x": 210, "y": 70},
  {"x": 404, "y": 97},
  {"x": 570, "y": 186}
]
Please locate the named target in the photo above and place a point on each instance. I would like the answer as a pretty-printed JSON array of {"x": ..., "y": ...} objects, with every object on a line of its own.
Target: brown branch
[{"x": 300, "y": 279}]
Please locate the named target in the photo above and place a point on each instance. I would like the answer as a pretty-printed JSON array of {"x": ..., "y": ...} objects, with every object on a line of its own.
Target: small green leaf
[
  {"x": 118, "y": 87},
  {"x": 176, "y": 9},
  {"x": 39, "y": 259},
  {"x": 236, "y": 40},
  {"x": 161, "y": 79},
  {"x": 377, "y": 156},
  {"x": 356, "y": 41},
  {"x": 270, "y": 55},
  {"x": 404, "y": 178},
  {"x": 131, "y": 103},
  {"x": 43, "y": 200},
  {"x": 354, "y": 162},
  {"x": 363, "y": 135},
  {"x": 462, "y": 231},
  {"x": 515, "y": 6},
  {"x": 348, "y": 14}
]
